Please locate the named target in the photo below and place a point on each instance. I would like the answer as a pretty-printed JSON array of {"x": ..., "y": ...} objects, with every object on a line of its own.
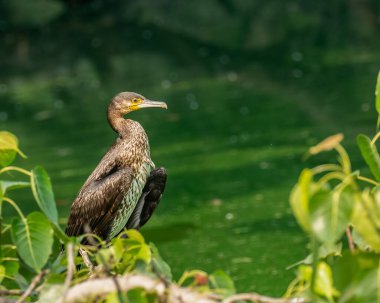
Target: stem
[
  {"x": 330, "y": 176},
  {"x": 314, "y": 251},
  {"x": 375, "y": 138},
  {"x": 15, "y": 168},
  {"x": 13, "y": 203},
  {"x": 368, "y": 180},
  {"x": 32, "y": 286},
  {"x": 326, "y": 167},
  {"x": 350, "y": 240},
  {"x": 346, "y": 163}
]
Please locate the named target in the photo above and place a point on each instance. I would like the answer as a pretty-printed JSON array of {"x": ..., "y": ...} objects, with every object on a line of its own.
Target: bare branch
[
  {"x": 256, "y": 298},
  {"x": 6, "y": 300},
  {"x": 100, "y": 287},
  {"x": 32, "y": 286},
  {"x": 11, "y": 292},
  {"x": 70, "y": 270}
]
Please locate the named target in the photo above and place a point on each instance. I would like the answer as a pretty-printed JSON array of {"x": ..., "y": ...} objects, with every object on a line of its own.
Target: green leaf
[
  {"x": 11, "y": 185},
  {"x": 33, "y": 238},
  {"x": 137, "y": 246},
  {"x": 359, "y": 241},
  {"x": 330, "y": 213},
  {"x": 370, "y": 155},
  {"x": 11, "y": 267},
  {"x": 299, "y": 199},
  {"x": 137, "y": 295},
  {"x": 8, "y": 148},
  {"x": 2, "y": 273},
  {"x": 366, "y": 219},
  {"x": 133, "y": 234},
  {"x": 356, "y": 277},
  {"x": 43, "y": 193},
  {"x": 222, "y": 283},
  {"x": 377, "y": 98},
  {"x": 159, "y": 265},
  {"x": 324, "y": 285},
  {"x": 323, "y": 253},
  {"x": 9, "y": 259}
]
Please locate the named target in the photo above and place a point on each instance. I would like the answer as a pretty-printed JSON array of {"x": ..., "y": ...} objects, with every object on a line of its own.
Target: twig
[
  {"x": 86, "y": 260},
  {"x": 350, "y": 240},
  {"x": 256, "y": 298},
  {"x": 11, "y": 292},
  {"x": 70, "y": 271},
  {"x": 32, "y": 286}
]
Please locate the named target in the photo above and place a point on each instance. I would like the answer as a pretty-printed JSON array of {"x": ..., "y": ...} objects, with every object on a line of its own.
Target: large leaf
[
  {"x": 33, "y": 238},
  {"x": 43, "y": 193},
  {"x": 11, "y": 185},
  {"x": 370, "y": 154},
  {"x": 137, "y": 246},
  {"x": 222, "y": 283},
  {"x": 159, "y": 265},
  {"x": 366, "y": 219},
  {"x": 8, "y": 148},
  {"x": 299, "y": 199},
  {"x": 356, "y": 277},
  {"x": 330, "y": 213}
]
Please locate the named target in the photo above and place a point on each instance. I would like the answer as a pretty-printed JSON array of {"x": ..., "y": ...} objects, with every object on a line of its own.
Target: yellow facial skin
[{"x": 135, "y": 102}]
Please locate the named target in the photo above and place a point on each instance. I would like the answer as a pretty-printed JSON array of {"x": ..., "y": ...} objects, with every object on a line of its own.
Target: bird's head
[{"x": 127, "y": 102}]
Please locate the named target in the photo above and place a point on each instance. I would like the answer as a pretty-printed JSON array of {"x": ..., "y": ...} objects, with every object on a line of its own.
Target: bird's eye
[{"x": 135, "y": 100}]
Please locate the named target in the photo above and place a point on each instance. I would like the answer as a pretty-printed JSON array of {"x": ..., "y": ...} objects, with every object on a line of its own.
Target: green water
[{"x": 232, "y": 140}]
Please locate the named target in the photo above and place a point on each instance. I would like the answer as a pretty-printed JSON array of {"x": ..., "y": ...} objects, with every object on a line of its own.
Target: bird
[{"x": 125, "y": 188}]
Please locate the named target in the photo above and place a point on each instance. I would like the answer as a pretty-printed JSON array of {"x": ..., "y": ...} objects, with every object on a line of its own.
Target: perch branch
[
  {"x": 256, "y": 298},
  {"x": 84, "y": 291}
]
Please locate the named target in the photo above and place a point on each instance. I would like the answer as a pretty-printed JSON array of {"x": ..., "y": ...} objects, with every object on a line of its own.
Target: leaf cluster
[{"x": 339, "y": 209}]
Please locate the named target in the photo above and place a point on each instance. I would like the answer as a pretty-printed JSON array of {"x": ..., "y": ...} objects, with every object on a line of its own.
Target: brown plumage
[{"x": 124, "y": 189}]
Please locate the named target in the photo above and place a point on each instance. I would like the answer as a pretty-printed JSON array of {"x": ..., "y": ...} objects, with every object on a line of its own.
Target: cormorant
[{"x": 125, "y": 188}]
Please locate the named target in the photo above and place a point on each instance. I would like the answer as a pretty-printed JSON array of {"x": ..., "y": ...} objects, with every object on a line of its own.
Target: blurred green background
[{"x": 249, "y": 84}]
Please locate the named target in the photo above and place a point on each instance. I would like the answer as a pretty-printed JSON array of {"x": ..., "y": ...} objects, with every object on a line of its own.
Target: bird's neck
[
  {"x": 126, "y": 128},
  {"x": 118, "y": 123}
]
